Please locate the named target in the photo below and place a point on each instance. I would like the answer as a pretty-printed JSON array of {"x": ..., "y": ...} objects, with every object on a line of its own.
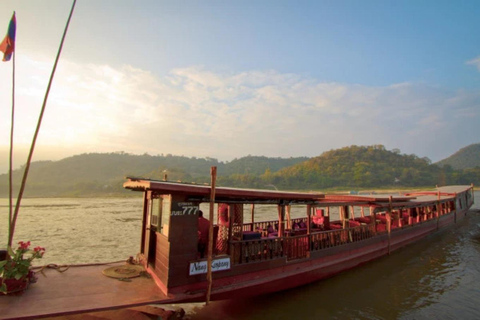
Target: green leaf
[
  {"x": 10, "y": 252},
  {"x": 2, "y": 263},
  {"x": 3, "y": 288}
]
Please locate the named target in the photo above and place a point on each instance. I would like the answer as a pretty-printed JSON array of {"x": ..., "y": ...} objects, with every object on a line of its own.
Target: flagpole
[
  {"x": 10, "y": 171},
  {"x": 32, "y": 147}
]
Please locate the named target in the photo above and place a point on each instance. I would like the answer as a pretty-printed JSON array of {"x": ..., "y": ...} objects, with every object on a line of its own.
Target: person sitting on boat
[{"x": 203, "y": 229}]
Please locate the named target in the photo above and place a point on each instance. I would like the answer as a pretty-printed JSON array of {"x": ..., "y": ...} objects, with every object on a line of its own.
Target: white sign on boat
[{"x": 199, "y": 267}]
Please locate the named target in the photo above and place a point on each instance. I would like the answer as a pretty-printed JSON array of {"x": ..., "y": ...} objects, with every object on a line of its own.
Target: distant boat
[{"x": 260, "y": 257}]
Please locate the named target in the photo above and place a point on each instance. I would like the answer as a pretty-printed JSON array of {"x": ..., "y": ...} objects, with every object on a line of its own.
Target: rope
[
  {"x": 64, "y": 267},
  {"x": 60, "y": 269}
]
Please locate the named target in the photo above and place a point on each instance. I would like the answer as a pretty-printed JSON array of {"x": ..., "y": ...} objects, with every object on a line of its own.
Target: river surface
[{"x": 436, "y": 278}]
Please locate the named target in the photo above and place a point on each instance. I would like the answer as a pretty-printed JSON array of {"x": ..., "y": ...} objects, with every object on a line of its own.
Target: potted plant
[{"x": 15, "y": 273}]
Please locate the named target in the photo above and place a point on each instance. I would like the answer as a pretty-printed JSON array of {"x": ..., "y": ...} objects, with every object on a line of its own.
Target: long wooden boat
[{"x": 266, "y": 241}]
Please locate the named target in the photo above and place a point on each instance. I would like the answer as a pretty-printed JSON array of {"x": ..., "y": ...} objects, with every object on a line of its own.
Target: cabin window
[
  {"x": 155, "y": 213},
  {"x": 160, "y": 214},
  {"x": 165, "y": 214}
]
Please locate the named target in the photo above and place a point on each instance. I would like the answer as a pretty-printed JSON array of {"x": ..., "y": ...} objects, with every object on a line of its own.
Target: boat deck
[{"x": 79, "y": 289}]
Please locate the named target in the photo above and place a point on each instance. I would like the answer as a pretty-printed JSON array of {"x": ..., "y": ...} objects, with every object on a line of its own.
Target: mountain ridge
[
  {"x": 96, "y": 174},
  {"x": 466, "y": 158}
]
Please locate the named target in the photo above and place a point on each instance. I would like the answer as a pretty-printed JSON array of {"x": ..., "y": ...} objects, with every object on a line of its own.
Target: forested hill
[
  {"x": 353, "y": 167},
  {"x": 105, "y": 173},
  {"x": 258, "y": 165},
  {"x": 360, "y": 167},
  {"x": 357, "y": 167},
  {"x": 465, "y": 158}
]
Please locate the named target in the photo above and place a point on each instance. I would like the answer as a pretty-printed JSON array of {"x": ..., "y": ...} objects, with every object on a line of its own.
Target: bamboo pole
[
  {"x": 32, "y": 148},
  {"x": 213, "y": 173},
  {"x": 10, "y": 169}
]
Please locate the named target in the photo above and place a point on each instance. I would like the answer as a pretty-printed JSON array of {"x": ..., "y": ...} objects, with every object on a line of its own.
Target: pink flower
[
  {"x": 24, "y": 245},
  {"x": 39, "y": 250}
]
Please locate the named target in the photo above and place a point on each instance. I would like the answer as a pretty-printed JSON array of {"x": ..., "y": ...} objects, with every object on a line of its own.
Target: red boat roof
[
  {"x": 202, "y": 192},
  {"x": 198, "y": 190},
  {"x": 366, "y": 198}
]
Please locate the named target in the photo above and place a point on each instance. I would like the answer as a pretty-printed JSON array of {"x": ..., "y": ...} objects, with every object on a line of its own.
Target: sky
[{"x": 227, "y": 79}]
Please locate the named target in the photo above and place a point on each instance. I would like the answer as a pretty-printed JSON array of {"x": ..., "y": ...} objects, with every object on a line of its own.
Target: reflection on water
[{"x": 435, "y": 278}]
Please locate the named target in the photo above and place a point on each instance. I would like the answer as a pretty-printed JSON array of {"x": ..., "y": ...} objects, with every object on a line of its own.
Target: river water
[{"x": 439, "y": 277}]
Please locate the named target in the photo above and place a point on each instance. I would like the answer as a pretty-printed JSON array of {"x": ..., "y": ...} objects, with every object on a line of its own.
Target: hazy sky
[{"x": 225, "y": 79}]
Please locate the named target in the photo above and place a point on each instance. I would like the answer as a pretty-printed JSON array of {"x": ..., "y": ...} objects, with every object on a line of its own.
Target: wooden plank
[{"x": 79, "y": 289}]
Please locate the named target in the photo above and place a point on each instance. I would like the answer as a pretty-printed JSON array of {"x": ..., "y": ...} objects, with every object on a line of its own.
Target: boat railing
[
  {"x": 296, "y": 247},
  {"x": 264, "y": 225},
  {"x": 296, "y": 244},
  {"x": 333, "y": 238},
  {"x": 246, "y": 251},
  {"x": 261, "y": 226}
]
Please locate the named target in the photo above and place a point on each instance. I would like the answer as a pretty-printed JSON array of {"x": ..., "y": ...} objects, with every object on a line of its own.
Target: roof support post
[
  {"x": 389, "y": 222},
  {"x": 373, "y": 216},
  {"x": 252, "y": 211},
  {"x": 289, "y": 219},
  {"x": 144, "y": 221},
  {"x": 281, "y": 218},
  {"x": 439, "y": 209},
  {"x": 455, "y": 208},
  {"x": 310, "y": 208}
]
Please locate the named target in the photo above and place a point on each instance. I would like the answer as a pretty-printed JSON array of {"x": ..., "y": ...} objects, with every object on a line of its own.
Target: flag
[{"x": 8, "y": 44}]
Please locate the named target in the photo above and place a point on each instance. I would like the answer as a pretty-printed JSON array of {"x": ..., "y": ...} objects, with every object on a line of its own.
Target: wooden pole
[
  {"x": 281, "y": 219},
  {"x": 373, "y": 216},
  {"x": 252, "y": 211},
  {"x": 289, "y": 221},
  {"x": 438, "y": 211},
  {"x": 213, "y": 173},
  {"x": 231, "y": 220},
  {"x": 32, "y": 147},
  {"x": 309, "y": 218},
  {"x": 473, "y": 193},
  {"x": 343, "y": 214},
  {"x": 389, "y": 221},
  {"x": 455, "y": 209}
]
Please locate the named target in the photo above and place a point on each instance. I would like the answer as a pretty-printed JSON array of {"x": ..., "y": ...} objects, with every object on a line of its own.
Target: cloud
[
  {"x": 475, "y": 62},
  {"x": 197, "y": 112}
]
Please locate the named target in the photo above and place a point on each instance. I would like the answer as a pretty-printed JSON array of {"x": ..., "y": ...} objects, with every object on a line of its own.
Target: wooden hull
[{"x": 321, "y": 264}]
